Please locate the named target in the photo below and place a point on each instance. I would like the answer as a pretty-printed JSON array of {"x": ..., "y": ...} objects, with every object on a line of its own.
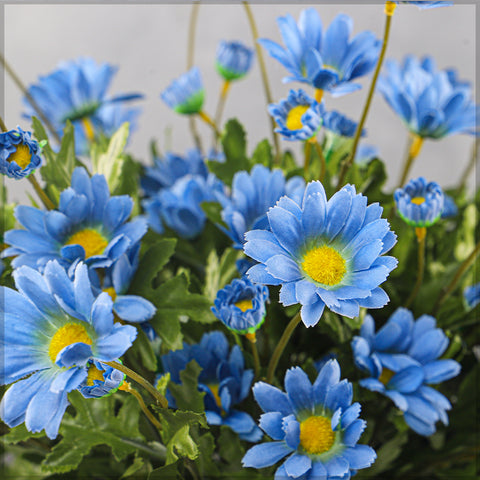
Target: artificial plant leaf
[
  {"x": 262, "y": 154},
  {"x": 219, "y": 271},
  {"x": 186, "y": 394}
]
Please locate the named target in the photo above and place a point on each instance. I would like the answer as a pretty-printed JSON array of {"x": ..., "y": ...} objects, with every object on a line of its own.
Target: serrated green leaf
[
  {"x": 219, "y": 272},
  {"x": 19, "y": 434},
  {"x": 187, "y": 396},
  {"x": 142, "y": 351},
  {"x": 137, "y": 464},
  {"x": 94, "y": 424},
  {"x": 235, "y": 149},
  {"x": 262, "y": 154},
  {"x": 66, "y": 154}
]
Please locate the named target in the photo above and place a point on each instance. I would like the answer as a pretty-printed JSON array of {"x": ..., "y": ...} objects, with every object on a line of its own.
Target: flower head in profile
[
  {"x": 101, "y": 381},
  {"x": 77, "y": 91},
  {"x": 223, "y": 379},
  {"x": 324, "y": 253},
  {"x": 186, "y": 93},
  {"x": 419, "y": 203},
  {"x": 450, "y": 208},
  {"x": 19, "y": 154},
  {"x": 403, "y": 359},
  {"x": 325, "y": 59},
  {"x": 317, "y": 426},
  {"x": 432, "y": 103},
  {"x": 252, "y": 195},
  {"x": 240, "y": 305},
  {"x": 53, "y": 327},
  {"x": 233, "y": 60},
  {"x": 89, "y": 225},
  {"x": 299, "y": 117},
  {"x": 472, "y": 295}
]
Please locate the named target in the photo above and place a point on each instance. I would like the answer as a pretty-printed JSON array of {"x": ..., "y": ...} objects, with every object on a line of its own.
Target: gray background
[{"x": 148, "y": 42}]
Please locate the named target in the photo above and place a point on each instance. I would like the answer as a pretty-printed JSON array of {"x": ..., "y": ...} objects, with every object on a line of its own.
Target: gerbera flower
[
  {"x": 52, "y": 327},
  {"x": 223, "y": 379},
  {"x": 299, "y": 117},
  {"x": 316, "y": 425},
  {"x": 252, "y": 195},
  {"x": 432, "y": 103},
  {"x": 240, "y": 305},
  {"x": 89, "y": 225},
  {"x": 324, "y": 252},
  {"x": 419, "y": 203},
  {"x": 19, "y": 154},
  {"x": 326, "y": 60},
  {"x": 403, "y": 359},
  {"x": 233, "y": 60},
  {"x": 77, "y": 91}
]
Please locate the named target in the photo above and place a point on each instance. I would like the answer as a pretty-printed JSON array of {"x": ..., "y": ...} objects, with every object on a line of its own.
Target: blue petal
[
  {"x": 258, "y": 274},
  {"x": 350, "y": 415},
  {"x": 291, "y": 427},
  {"x": 429, "y": 346},
  {"x": 284, "y": 268},
  {"x": 76, "y": 353},
  {"x": 102, "y": 315},
  {"x": 311, "y": 313},
  {"x": 133, "y": 308},
  {"x": 239, "y": 422},
  {"x": 387, "y": 336},
  {"x": 299, "y": 389},
  {"x": 419, "y": 425},
  {"x": 271, "y": 423},
  {"x": 328, "y": 377},
  {"x": 360, "y": 456},
  {"x": 271, "y": 399},
  {"x": 314, "y": 213},
  {"x": 116, "y": 344},
  {"x": 83, "y": 291},
  {"x": 337, "y": 467},
  {"x": 297, "y": 464},
  {"x": 407, "y": 380},
  {"x": 441, "y": 370},
  {"x": 353, "y": 432},
  {"x": 339, "y": 395},
  {"x": 265, "y": 454},
  {"x": 287, "y": 229},
  {"x": 117, "y": 211}
]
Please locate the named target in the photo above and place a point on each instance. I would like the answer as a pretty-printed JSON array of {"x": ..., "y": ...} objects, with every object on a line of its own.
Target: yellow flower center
[
  {"x": 92, "y": 242},
  {"x": 418, "y": 200},
  {"x": 67, "y": 335},
  {"x": 294, "y": 117},
  {"x": 324, "y": 265},
  {"x": 316, "y": 435},
  {"x": 244, "y": 305},
  {"x": 21, "y": 156},
  {"x": 111, "y": 291},
  {"x": 216, "y": 396},
  {"x": 94, "y": 374},
  {"x": 386, "y": 375}
]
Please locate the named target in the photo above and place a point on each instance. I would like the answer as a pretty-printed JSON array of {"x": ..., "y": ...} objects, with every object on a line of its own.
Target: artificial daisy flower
[{"x": 233, "y": 60}]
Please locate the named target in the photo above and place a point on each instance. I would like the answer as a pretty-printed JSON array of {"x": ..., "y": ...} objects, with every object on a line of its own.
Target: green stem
[
  {"x": 38, "y": 189},
  {"x": 420, "y": 270},
  {"x": 453, "y": 284},
  {"x": 221, "y": 102},
  {"x": 256, "y": 358},
  {"x": 3, "y": 126},
  {"x": 141, "y": 381},
  {"x": 281, "y": 346},
  {"x": 323, "y": 161},
  {"x": 160, "y": 454},
  {"x": 346, "y": 166},
  {"x": 144, "y": 408},
  {"x": 471, "y": 164},
  {"x": 31, "y": 100},
  {"x": 308, "y": 154},
  {"x": 263, "y": 72},
  {"x": 413, "y": 151}
]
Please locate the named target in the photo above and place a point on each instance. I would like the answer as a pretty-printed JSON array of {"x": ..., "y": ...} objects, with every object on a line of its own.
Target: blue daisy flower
[
  {"x": 252, "y": 195},
  {"x": 89, "y": 225},
  {"x": 317, "y": 426},
  {"x": 432, "y": 103},
  {"x": 326, "y": 60},
  {"x": 472, "y": 295},
  {"x": 185, "y": 94},
  {"x": 223, "y": 379},
  {"x": 53, "y": 327},
  {"x": 19, "y": 154},
  {"x": 450, "y": 208},
  {"x": 324, "y": 252},
  {"x": 240, "y": 305},
  {"x": 424, "y": 5},
  {"x": 101, "y": 381},
  {"x": 77, "y": 91},
  {"x": 299, "y": 117},
  {"x": 403, "y": 359},
  {"x": 233, "y": 60},
  {"x": 419, "y": 203}
]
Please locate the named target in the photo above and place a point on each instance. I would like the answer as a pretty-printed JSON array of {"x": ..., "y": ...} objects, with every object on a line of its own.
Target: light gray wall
[{"x": 148, "y": 43}]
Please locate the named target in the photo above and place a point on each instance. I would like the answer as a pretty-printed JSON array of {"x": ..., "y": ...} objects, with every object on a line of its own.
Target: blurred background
[{"x": 149, "y": 45}]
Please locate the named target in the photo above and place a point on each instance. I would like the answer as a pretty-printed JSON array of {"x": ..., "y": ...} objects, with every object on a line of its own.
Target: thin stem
[
  {"x": 415, "y": 147},
  {"x": 471, "y": 164},
  {"x": 31, "y": 100},
  {"x": 144, "y": 408},
  {"x": 39, "y": 191},
  {"x": 141, "y": 381},
  {"x": 453, "y": 284},
  {"x": 281, "y": 346},
  {"x": 3, "y": 126},
  {"x": 263, "y": 72},
  {"x": 308, "y": 154},
  {"x": 421, "y": 236},
  {"x": 192, "y": 27},
  {"x": 323, "y": 161},
  {"x": 346, "y": 166},
  {"x": 221, "y": 101},
  {"x": 256, "y": 359},
  {"x": 207, "y": 119},
  {"x": 236, "y": 336}
]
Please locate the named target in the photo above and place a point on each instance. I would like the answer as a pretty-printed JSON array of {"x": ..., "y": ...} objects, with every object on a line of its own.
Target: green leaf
[
  {"x": 262, "y": 154},
  {"x": 186, "y": 394},
  {"x": 167, "y": 472},
  {"x": 19, "y": 434},
  {"x": 235, "y": 149},
  {"x": 94, "y": 424},
  {"x": 66, "y": 155},
  {"x": 219, "y": 272},
  {"x": 230, "y": 449},
  {"x": 213, "y": 211},
  {"x": 142, "y": 351},
  {"x": 137, "y": 464}
]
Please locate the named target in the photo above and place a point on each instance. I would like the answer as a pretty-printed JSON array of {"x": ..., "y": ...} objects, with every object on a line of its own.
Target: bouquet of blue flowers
[{"x": 231, "y": 313}]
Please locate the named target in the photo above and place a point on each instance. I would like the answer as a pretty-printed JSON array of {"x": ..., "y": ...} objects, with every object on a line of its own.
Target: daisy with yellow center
[{"x": 92, "y": 242}]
